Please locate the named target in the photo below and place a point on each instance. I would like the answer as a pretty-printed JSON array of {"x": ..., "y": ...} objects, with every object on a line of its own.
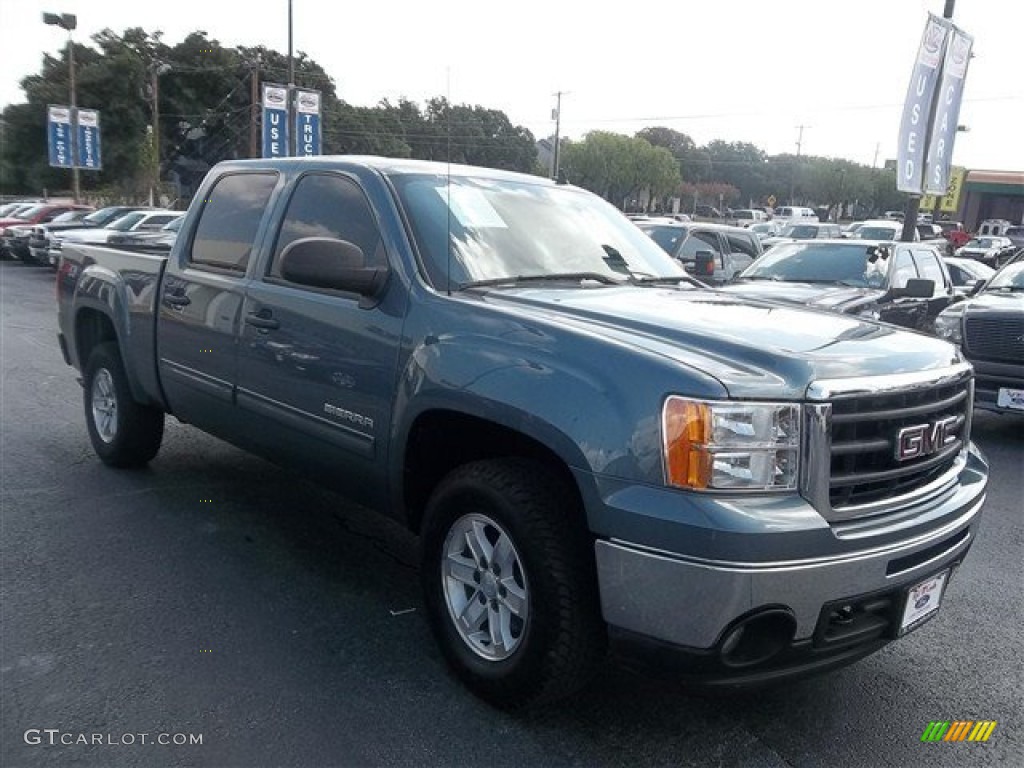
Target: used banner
[
  {"x": 917, "y": 109},
  {"x": 275, "y": 120},
  {"x": 59, "y": 138}
]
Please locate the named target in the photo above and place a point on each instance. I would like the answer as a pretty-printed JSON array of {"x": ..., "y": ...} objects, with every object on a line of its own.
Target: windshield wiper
[
  {"x": 550, "y": 277},
  {"x": 660, "y": 279}
]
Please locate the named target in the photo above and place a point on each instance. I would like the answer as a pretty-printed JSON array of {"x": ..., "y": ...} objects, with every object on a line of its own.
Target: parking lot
[{"x": 214, "y": 594}]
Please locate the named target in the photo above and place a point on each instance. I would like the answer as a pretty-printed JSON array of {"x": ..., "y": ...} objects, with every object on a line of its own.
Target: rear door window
[
  {"x": 929, "y": 269},
  {"x": 903, "y": 270},
  {"x": 229, "y": 220}
]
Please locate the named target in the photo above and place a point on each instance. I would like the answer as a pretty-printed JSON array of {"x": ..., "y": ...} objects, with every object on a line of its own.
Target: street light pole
[{"x": 68, "y": 21}]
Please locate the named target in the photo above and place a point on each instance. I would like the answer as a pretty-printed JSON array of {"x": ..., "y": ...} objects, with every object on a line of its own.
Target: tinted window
[
  {"x": 667, "y": 237},
  {"x": 903, "y": 270},
  {"x": 743, "y": 244},
  {"x": 928, "y": 268},
  {"x": 229, "y": 219},
  {"x": 126, "y": 222},
  {"x": 329, "y": 206},
  {"x": 700, "y": 241}
]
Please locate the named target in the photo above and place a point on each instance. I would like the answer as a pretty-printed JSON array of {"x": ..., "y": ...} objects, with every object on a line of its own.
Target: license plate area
[
  {"x": 1010, "y": 398},
  {"x": 921, "y": 602}
]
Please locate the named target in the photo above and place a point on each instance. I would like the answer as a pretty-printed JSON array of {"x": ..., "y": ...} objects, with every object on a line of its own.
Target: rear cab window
[{"x": 229, "y": 220}]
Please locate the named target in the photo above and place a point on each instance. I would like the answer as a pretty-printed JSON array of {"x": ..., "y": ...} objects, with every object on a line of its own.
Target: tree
[{"x": 617, "y": 167}]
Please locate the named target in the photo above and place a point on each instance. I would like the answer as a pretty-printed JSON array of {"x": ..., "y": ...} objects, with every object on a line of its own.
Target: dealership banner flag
[
  {"x": 917, "y": 109},
  {"x": 947, "y": 112},
  {"x": 307, "y": 123},
  {"x": 59, "y": 136},
  {"x": 88, "y": 135},
  {"x": 275, "y": 120}
]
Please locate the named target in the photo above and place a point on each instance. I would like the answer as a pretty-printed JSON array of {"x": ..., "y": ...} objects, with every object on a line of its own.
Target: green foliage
[{"x": 616, "y": 166}]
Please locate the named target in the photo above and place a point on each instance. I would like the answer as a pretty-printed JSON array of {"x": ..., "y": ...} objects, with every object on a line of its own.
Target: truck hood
[
  {"x": 994, "y": 302},
  {"x": 754, "y": 348},
  {"x": 839, "y": 298}
]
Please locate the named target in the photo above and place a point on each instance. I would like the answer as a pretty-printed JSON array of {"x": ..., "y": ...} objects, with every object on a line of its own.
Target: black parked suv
[
  {"x": 989, "y": 327},
  {"x": 901, "y": 283},
  {"x": 729, "y": 250}
]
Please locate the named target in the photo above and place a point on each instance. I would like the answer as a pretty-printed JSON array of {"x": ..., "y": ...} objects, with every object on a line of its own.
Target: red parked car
[{"x": 37, "y": 214}]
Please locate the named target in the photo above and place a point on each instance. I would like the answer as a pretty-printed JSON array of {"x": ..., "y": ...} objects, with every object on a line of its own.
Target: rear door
[
  {"x": 201, "y": 299},
  {"x": 317, "y": 367}
]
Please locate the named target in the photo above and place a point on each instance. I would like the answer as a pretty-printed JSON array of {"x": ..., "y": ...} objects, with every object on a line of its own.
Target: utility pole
[
  {"x": 796, "y": 163},
  {"x": 68, "y": 21},
  {"x": 254, "y": 108},
  {"x": 878, "y": 146},
  {"x": 558, "y": 134},
  {"x": 913, "y": 205}
]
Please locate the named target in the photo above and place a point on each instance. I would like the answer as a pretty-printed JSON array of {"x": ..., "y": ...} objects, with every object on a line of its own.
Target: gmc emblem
[{"x": 925, "y": 439}]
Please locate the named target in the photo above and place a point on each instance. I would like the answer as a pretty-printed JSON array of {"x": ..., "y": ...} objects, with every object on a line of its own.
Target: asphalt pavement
[{"x": 216, "y": 598}]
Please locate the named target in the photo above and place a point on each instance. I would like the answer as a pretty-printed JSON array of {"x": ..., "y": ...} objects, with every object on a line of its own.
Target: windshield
[
  {"x": 981, "y": 242},
  {"x": 800, "y": 232},
  {"x": 1010, "y": 277},
  {"x": 104, "y": 216},
  {"x": 67, "y": 216},
  {"x": 861, "y": 266},
  {"x": 759, "y": 228},
  {"x": 174, "y": 226},
  {"x": 667, "y": 238},
  {"x": 126, "y": 222},
  {"x": 876, "y": 233},
  {"x": 495, "y": 228},
  {"x": 28, "y": 213},
  {"x": 9, "y": 209}
]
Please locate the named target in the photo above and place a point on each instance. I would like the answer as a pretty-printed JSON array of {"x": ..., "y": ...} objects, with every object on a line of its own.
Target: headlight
[
  {"x": 730, "y": 446},
  {"x": 948, "y": 327}
]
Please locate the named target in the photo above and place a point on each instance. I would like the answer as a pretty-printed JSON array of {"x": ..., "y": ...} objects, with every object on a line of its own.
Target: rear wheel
[
  {"x": 509, "y": 582},
  {"x": 123, "y": 432}
]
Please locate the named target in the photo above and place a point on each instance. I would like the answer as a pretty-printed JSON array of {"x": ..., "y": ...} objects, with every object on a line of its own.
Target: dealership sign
[
  {"x": 275, "y": 120},
  {"x": 931, "y": 109},
  {"x": 73, "y": 137},
  {"x": 307, "y": 123},
  {"x": 88, "y": 135}
]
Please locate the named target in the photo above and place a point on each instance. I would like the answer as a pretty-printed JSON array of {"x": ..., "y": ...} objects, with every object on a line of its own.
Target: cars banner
[{"x": 947, "y": 112}]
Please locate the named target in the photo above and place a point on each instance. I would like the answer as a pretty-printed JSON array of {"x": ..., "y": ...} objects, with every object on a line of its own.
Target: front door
[
  {"x": 317, "y": 368},
  {"x": 905, "y": 311}
]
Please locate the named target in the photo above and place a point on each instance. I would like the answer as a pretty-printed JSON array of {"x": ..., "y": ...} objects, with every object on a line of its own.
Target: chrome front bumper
[{"x": 690, "y": 602}]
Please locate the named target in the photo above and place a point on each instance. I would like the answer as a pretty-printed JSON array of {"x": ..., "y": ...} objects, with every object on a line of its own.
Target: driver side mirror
[
  {"x": 704, "y": 264},
  {"x": 337, "y": 265}
]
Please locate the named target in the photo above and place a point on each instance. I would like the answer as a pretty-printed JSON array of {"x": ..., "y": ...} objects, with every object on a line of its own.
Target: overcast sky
[{"x": 739, "y": 70}]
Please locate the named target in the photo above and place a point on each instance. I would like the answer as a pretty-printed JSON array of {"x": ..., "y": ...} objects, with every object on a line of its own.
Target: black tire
[
  {"x": 137, "y": 430},
  {"x": 564, "y": 638}
]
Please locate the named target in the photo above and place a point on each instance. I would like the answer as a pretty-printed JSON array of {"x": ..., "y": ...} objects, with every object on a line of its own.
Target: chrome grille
[
  {"x": 995, "y": 338},
  {"x": 857, "y": 424}
]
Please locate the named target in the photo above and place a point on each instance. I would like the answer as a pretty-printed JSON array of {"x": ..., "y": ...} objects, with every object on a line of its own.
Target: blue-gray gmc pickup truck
[{"x": 595, "y": 451}]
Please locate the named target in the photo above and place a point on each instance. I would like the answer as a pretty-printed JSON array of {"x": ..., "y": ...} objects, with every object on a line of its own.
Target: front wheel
[
  {"x": 509, "y": 582},
  {"x": 123, "y": 432}
]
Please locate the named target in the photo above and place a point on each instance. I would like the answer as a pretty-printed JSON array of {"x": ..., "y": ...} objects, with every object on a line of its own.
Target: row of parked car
[
  {"x": 36, "y": 232},
  {"x": 871, "y": 273}
]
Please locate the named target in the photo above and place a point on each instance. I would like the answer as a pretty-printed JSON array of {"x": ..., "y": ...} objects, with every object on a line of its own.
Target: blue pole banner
[
  {"x": 59, "y": 138},
  {"x": 275, "y": 120},
  {"x": 88, "y": 132},
  {"x": 307, "y": 123},
  {"x": 918, "y": 107},
  {"x": 947, "y": 112}
]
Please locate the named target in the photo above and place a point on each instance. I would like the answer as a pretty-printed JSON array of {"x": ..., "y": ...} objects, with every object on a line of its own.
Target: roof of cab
[{"x": 388, "y": 166}]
